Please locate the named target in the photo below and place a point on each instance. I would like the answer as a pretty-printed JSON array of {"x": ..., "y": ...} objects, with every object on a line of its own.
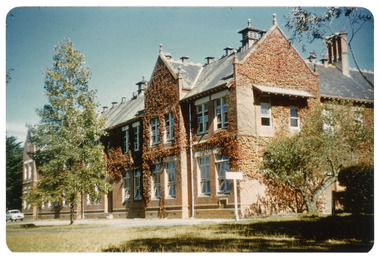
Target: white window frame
[
  {"x": 126, "y": 187},
  {"x": 266, "y": 116},
  {"x": 202, "y": 118},
  {"x": 294, "y": 118},
  {"x": 154, "y": 131},
  {"x": 170, "y": 175},
  {"x": 222, "y": 165},
  {"x": 136, "y": 133},
  {"x": 169, "y": 127},
  {"x": 204, "y": 175},
  {"x": 221, "y": 109},
  {"x": 26, "y": 171},
  {"x": 156, "y": 181},
  {"x": 137, "y": 186},
  {"x": 126, "y": 138}
]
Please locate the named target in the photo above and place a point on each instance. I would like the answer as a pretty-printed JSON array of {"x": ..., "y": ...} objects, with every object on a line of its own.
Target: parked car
[{"x": 14, "y": 215}]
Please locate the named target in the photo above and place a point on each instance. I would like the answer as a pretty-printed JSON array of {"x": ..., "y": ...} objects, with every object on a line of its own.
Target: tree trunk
[
  {"x": 311, "y": 207},
  {"x": 72, "y": 206}
]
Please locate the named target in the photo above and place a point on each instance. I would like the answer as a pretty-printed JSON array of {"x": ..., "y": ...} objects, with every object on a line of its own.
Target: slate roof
[
  {"x": 189, "y": 71},
  {"x": 334, "y": 84},
  {"x": 124, "y": 112},
  {"x": 215, "y": 74}
]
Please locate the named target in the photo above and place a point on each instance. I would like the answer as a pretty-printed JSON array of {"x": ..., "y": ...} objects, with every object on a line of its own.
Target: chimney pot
[
  {"x": 105, "y": 108},
  {"x": 114, "y": 103},
  {"x": 228, "y": 50},
  {"x": 123, "y": 99},
  {"x": 209, "y": 59},
  {"x": 184, "y": 59}
]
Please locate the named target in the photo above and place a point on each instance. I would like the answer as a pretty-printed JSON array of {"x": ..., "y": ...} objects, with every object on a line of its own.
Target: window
[
  {"x": 136, "y": 132},
  {"x": 221, "y": 113},
  {"x": 156, "y": 181},
  {"x": 169, "y": 121},
  {"x": 204, "y": 167},
  {"x": 90, "y": 200},
  {"x": 170, "y": 170},
  {"x": 26, "y": 171},
  {"x": 328, "y": 122},
  {"x": 294, "y": 118},
  {"x": 126, "y": 139},
  {"x": 222, "y": 166},
  {"x": 154, "y": 132},
  {"x": 136, "y": 186},
  {"x": 202, "y": 115},
  {"x": 126, "y": 187},
  {"x": 265, "y": 114}
]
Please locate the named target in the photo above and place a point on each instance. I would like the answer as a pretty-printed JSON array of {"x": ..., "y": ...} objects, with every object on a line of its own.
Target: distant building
[{"x": 191, "y": 123}]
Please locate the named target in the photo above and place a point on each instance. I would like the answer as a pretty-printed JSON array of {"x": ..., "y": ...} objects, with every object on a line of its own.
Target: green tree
[
  {"x": 13, "y": 172},
  {"x": 306, "y": 25},
  {"x": 333, "y": 136},
  {"x": 69, "y": 155},
  {"x": 358, "y": 196}
]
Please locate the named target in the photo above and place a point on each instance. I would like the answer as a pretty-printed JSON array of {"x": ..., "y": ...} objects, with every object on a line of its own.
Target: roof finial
[
  {"x": 249, "y": 22},
  {"x": 274, "y": 19},
  {"x": 143, "y": 77},
  {"x": 161, "y": 49}
]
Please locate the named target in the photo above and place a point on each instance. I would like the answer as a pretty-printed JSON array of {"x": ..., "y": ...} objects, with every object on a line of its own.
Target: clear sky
[{"x": 121, "y": 44}]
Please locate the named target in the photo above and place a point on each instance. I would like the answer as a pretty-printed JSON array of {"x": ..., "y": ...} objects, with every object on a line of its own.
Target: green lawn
[{"x": 339, "y": 233}]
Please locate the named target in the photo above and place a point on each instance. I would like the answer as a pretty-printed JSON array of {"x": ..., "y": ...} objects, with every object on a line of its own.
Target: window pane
[
  {"x": 265, "y": 121},
  {"x": 294, "y": 122},
  {"x": 293, "y": 112},
  {"x": 265, "y": 109}
]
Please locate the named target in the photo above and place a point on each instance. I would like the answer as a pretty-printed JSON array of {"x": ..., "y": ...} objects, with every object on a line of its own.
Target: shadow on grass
[{"x": 332, "y": 234}]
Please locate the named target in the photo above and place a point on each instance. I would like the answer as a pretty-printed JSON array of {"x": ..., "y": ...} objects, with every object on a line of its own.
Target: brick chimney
[{"x": 337, "y": 51}]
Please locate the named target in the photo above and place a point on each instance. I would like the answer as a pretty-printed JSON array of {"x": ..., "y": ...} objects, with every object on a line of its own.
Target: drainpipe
[{"x": 191, "y": 165}]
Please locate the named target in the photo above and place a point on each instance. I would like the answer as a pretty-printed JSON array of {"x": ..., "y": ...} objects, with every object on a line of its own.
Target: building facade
[{"x": 191, "y": 123}]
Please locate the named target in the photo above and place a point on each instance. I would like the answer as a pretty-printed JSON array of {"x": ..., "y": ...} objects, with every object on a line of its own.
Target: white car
[{"x": 14, "y": 215}]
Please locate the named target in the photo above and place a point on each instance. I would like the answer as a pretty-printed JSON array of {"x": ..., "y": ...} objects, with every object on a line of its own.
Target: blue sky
[{"x": 121, "y": 44}]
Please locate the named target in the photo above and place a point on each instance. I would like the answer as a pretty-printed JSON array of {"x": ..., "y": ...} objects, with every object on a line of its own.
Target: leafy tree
[
  {"x": 13, "y": 172},
  {"x": 333, "y": 136},
  {"x": 317, "y": 25},
  {"x": 69, "y": 155},
  {"x": 358, "y": 196}
]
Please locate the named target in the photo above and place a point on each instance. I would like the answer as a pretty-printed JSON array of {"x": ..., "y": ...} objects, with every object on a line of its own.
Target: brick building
[{"x": 191, "y": 123}]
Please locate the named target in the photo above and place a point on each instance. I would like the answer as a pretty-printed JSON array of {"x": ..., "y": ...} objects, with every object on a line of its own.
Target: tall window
[
  {"x": 202, "y": 115},
  {"x": 26, "y": 171},
  {"x": 222, "y": 166},
  {"x": 154, "y": 132},
  {"x": 169, "y": 121},
  {"x": 137, "y": 186},
  {"x": 204, "y": 167},
  {"x": 136, "y": 132},
  {"x": 294, "y": 118},
  {"x": 126, "y": 187},
  {"x": 265, "y": 114},
  {"x": 126, "y": 139},
  {"x": 156, "y": 181},
  {"x": 328, "y": 121},
  {"x": 170, "y": 170},
  {"x": 221, "y": 113},
  {"x": 30, "y": 170}
]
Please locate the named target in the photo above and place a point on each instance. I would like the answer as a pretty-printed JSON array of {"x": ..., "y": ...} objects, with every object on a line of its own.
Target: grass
[{"x": 339, "y": 233}]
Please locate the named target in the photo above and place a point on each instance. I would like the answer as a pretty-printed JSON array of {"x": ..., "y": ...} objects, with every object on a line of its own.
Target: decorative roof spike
[
  {"x": 249, "y": 22},
  {"x": 274, "y": 19},
  {"x": 161, "y": 50}
]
